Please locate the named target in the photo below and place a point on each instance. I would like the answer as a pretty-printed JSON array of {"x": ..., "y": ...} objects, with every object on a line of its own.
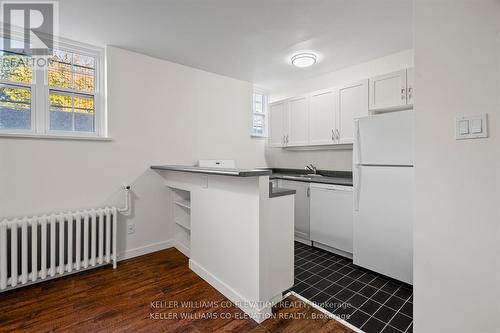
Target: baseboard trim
[
  {"x": 332, "y": 249},
  {"x": 303, "y": 240},
  {"x": 258, "y": 311},
  {"x": 139, "y": 251},
  {"x": 182, "y": 248}
]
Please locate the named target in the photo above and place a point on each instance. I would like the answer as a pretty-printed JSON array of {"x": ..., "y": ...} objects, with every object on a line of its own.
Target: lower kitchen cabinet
[
  {"x": 331, "y": 216},
  {"x": 302, "y": 211}
]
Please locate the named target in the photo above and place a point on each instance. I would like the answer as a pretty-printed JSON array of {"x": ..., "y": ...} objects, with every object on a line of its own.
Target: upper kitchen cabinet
[
  {"x": 326, "y": 117},
  {"x": 352, "y": 103},
  {"x": 322, "y": 127},
  {"x": 278, "y": 124},
  {"x": 298, "y": 133},
  {"x": 391, "y": 91}
]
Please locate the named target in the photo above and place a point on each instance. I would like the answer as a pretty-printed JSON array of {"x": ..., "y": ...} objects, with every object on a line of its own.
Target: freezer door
[
  {"x": 385, "y": 139},
  {"x": 383, "y": 220}
]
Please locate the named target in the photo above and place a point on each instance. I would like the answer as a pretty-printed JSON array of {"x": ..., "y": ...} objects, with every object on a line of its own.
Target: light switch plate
[{"x": 471, "y": 127}]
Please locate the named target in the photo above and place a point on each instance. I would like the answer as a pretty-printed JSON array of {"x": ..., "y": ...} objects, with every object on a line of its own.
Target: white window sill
[
  {"x": 257, "y": 136},
  {"x": 53, "y": 137}
]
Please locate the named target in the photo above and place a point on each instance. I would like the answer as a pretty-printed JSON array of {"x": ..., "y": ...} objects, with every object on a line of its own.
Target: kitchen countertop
[
  {"x": 215, "y": 171},
  {"x": 326, "y": 177}
]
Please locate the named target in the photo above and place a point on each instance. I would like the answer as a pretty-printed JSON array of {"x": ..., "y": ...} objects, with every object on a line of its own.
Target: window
[
  {"x": 57, "y": 96},
  {"x": 259, "y": 115},
  {"x": 16, "y": 76}
]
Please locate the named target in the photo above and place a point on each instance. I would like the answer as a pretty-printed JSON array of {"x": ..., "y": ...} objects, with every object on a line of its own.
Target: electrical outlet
[{"x": 131, "y": 228}]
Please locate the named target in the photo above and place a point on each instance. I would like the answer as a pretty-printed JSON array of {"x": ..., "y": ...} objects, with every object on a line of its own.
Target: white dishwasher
[{"x": 332, "y": 216}]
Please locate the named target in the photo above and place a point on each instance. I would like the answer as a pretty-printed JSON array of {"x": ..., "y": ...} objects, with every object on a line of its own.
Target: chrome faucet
[{"x": 311, "y": 168}]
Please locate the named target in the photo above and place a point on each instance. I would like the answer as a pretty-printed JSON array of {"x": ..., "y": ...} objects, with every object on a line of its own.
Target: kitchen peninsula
[{"x": 237, "y": 230}]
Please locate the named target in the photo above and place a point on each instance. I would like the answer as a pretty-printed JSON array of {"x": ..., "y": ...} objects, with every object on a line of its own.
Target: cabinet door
[
  {"x": 352, "y": 103},
  {"x": 332, "y": 216},
  {"x": 388, "y": 92},
  {"x": 301, "y": 207},
  {"x": 410, "y": 79},
  {"x": 277, "y": 124},
  {"x": 298, "y": 132},
  {"x": 322, "y": 118}
]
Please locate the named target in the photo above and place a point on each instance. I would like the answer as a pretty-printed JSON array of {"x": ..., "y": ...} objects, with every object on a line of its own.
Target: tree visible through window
[
  {"x": 62, "y": 97},
  {"x": 16, "y": 76},
  {"x": 71, "y": 94}
]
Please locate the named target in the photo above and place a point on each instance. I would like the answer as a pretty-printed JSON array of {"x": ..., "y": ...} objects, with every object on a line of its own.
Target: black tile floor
[{"x": 367, "y": 300}]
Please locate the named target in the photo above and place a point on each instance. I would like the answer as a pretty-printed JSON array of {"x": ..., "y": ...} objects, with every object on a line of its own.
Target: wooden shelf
[
  {"x": 186, "y": 205},
  {"x": 183, "y": 224}
]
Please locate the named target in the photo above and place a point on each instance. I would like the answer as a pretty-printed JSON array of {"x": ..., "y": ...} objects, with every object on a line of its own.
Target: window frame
[
  {"x": 40, "y": 102},
  {"x": 264, "y": 113}
]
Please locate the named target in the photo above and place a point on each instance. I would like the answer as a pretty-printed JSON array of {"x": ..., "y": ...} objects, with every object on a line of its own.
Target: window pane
[
  {"x": 15, "y": 107},
  {"x": 84, "y": 79},
  {"x": 70, "y": 112},
  {"x": 61, "y": 111},
  {"x": 61, "y": 120},
  {"x": 15, "y": 67},
  {"x": 60, "y": 75},
  {"x": 84, "y": 122},
  {"x": 84, "y": 113},
  {"x": 258, "y": 124},
  {"x": 83, "y": 60},
  {"x": 258, "y": 102},
  {"x": 72, "y": 71}
]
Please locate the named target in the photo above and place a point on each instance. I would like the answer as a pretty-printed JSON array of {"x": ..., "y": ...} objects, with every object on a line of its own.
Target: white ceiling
[{"x": 250, "y": 40}]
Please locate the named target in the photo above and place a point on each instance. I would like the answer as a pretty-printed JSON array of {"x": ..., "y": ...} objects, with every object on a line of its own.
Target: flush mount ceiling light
[{"x": 304, "y": 59}]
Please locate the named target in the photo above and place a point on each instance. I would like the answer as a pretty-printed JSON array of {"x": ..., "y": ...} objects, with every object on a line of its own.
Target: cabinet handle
[
  {"x": 286, "y": 140},
  {"x": 338, "y": 134},
  {"x": 410, "y": 93},
  {"x": 403, "y": 93},
  {"x": 308, "y": 192},
  {"x": 333, "y": 135}
]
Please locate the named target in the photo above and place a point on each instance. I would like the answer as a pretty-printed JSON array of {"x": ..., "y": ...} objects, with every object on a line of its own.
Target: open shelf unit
[
  {"x": 186, "y": 205},
  {"x": 181, "y": 209}
]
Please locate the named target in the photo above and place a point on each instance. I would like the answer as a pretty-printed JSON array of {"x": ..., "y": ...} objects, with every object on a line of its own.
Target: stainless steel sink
[{"x": 309, "y": 176}]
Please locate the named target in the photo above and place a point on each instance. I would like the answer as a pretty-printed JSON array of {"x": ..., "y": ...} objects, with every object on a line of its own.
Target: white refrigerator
[{"x": 384, "y": 194}]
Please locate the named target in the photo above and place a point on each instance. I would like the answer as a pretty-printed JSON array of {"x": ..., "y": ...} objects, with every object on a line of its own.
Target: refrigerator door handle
[
  {"x": 357, "y": 187},
  {"x": 357, "y": 153}
]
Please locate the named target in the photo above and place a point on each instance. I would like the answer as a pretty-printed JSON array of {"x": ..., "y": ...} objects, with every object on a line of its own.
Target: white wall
[
  {"x": 339, "y": 159},
  {"x": 456, "y": 231},
  {"x": 159, "y": 113}
]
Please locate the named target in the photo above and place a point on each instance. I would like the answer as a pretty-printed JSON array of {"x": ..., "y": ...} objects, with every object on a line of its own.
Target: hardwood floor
[{"x": 140, "y": 296}]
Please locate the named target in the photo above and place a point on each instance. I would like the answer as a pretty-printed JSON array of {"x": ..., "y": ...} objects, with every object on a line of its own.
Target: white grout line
[
  {"x": 356, "y": 279},
  {"x": 395, "y": 316},
  {"x": 367, "y": 298},
  {"x": 373, "y": 315},
  {"x": 355, "y": 292},
  {"x": 329, "y": 314},
  {"x": 344, "y": 275}
]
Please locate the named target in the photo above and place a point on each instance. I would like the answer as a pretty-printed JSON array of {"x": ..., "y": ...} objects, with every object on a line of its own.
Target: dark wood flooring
[{"x": 140, "y": 296}]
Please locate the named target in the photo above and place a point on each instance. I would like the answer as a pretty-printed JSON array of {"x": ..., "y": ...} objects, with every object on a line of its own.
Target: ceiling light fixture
[{"x": 304, "y": 59}]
